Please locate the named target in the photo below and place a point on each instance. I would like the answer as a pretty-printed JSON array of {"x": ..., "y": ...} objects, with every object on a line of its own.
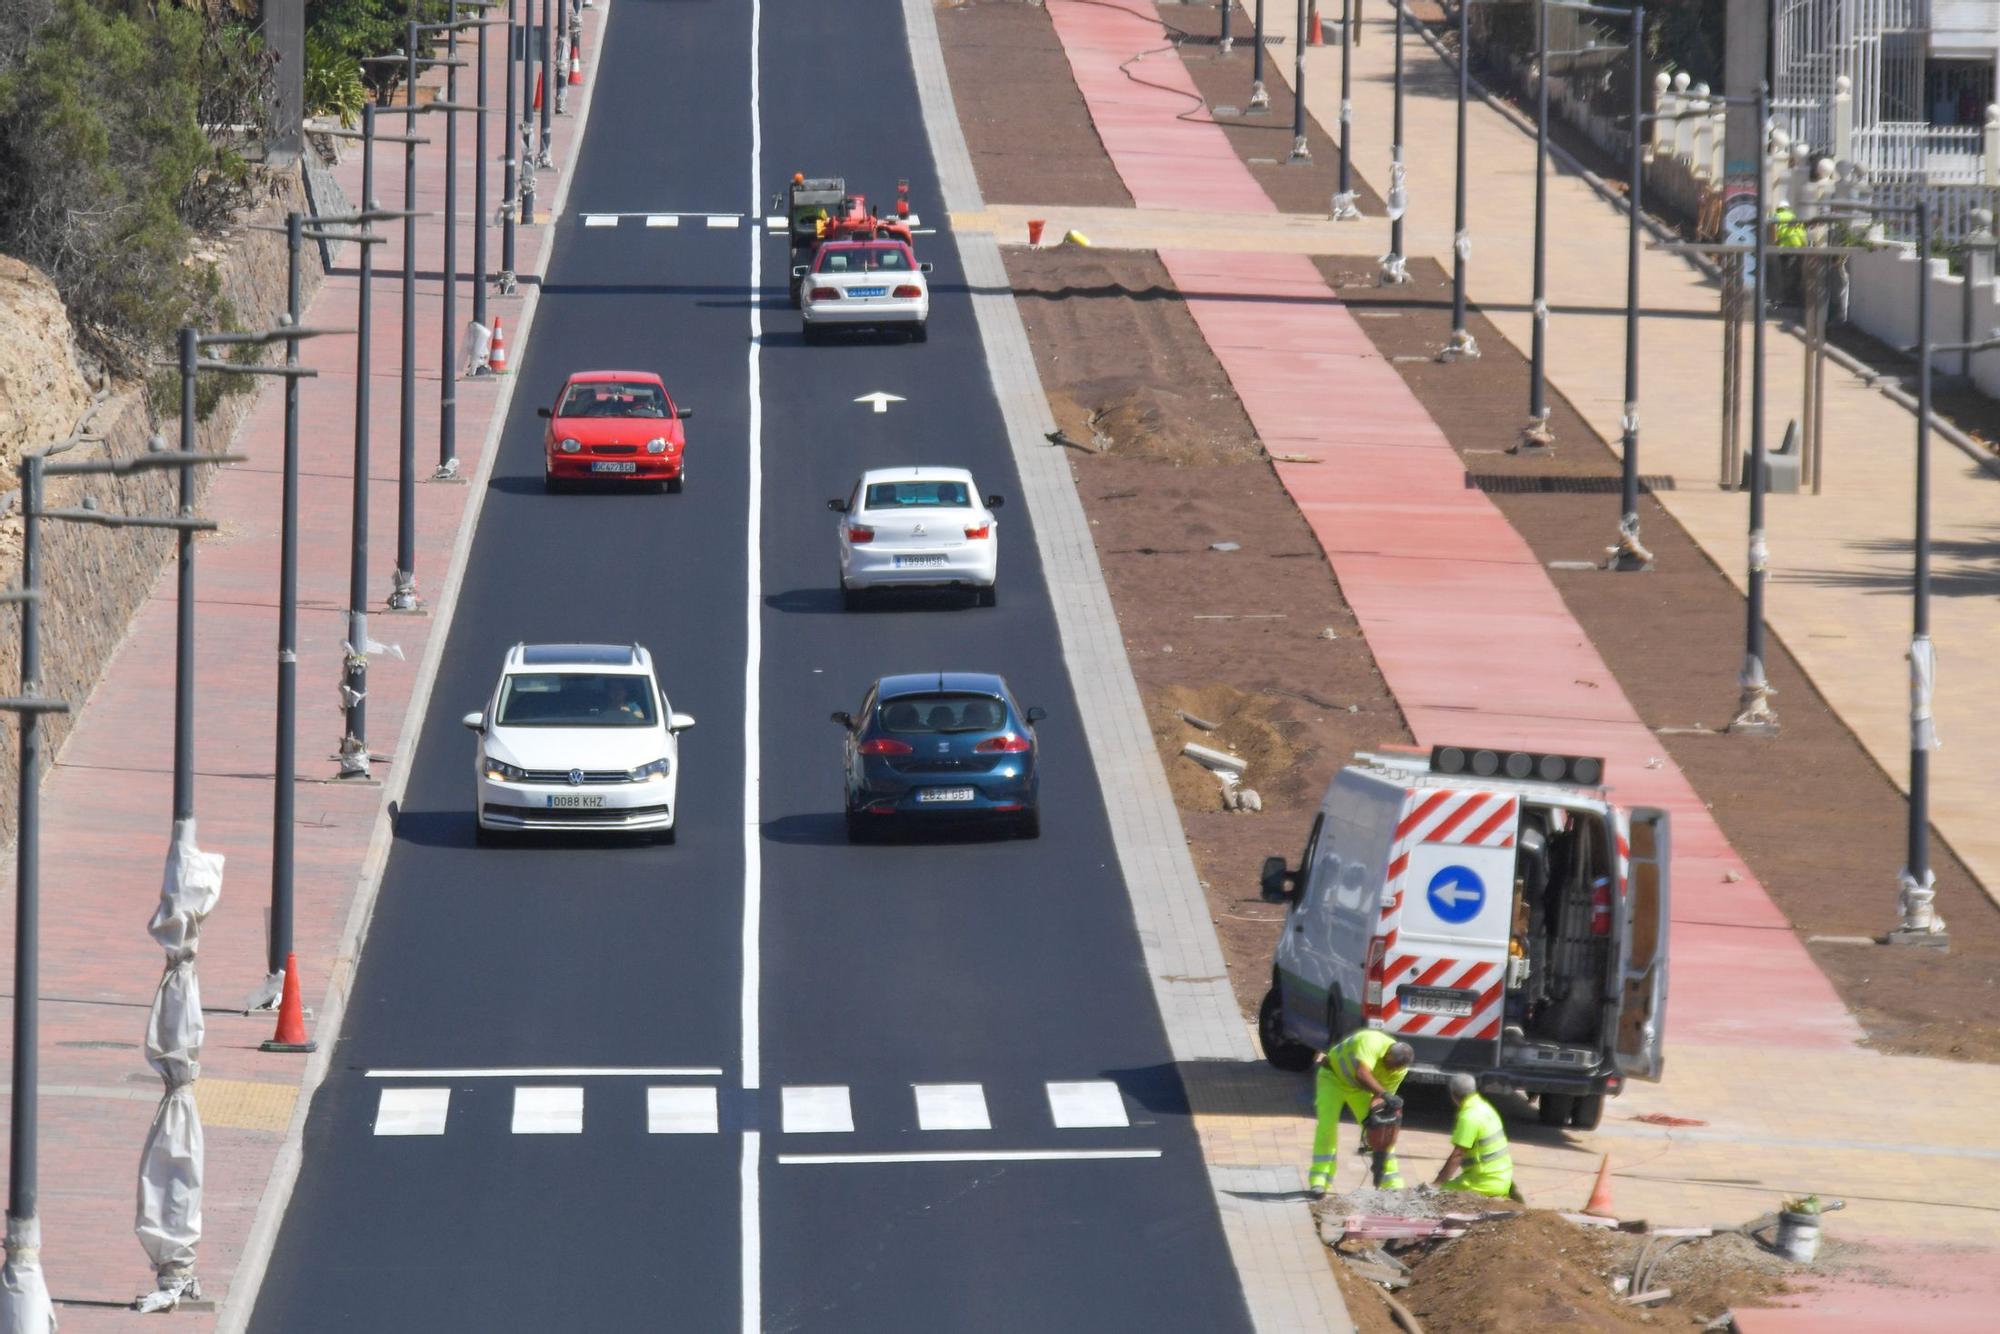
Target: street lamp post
[
  {"x": 1536, "y": 434},
  {"x": 1462, "y": 344},
  {"x": 1260, "y": 98},
  {"x": 1395, "y": 268},
  {"x": 1755, "y": 715},
  {"x": 1300, "y": 151},
  {"x": 552, "y": 77},
  {"x": 511, "y": 174},
  {"x": 1226, "y": 43},
  {"x": 1344, "y": 207},
  {"x": 1629, "y": 554}
]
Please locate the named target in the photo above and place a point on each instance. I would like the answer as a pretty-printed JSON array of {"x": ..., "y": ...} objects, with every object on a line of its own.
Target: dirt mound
[
  {"x": 42, "y": 391},
  {"x": 1271, "y": 732}
]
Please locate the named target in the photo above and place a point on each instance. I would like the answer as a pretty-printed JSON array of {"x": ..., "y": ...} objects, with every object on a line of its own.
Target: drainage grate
[{"x": 1500, "y": 483}]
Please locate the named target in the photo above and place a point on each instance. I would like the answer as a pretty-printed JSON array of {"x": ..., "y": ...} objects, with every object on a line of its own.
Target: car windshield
[
  {"x": 575, "y": 699},
  {"x": 944, "y": 713},
  {"x": 606, "y": 398},
  {"x": 918, "y": 495},
  {"x": 855, "y": 259}
]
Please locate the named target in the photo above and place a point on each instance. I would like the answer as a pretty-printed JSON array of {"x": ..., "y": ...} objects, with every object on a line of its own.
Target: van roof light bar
[{"x": 1520, "y": 765}]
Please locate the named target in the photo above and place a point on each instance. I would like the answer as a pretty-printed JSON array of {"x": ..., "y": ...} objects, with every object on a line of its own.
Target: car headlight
[
  {"x": 657, "y": 445},
  {"x": 499, "y": 771},
  {"x": 655, "y": 772},
  {"x": 568, "y": 446}
]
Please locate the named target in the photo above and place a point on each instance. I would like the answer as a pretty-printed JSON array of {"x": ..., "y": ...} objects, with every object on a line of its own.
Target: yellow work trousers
[{"x": 1331, "y": 1094}]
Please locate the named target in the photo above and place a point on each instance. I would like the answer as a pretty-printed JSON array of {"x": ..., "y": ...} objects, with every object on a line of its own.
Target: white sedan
[
  {"x": 577, "y": 737},
  {"x": 923, "y": 527},
  {"x": 865, "y": 285}
]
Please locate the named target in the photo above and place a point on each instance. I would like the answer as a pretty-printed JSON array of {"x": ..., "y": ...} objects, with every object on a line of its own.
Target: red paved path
[
  {"x": 1467, "y": 628},
  {"x": 107, "y": 800}
]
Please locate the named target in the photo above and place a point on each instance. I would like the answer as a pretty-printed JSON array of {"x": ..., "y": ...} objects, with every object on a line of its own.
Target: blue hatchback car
[{"x": 940, "y": 746}]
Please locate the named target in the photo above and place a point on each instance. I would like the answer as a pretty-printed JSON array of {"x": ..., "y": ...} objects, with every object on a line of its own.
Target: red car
[{"x": 618, "y": 426}]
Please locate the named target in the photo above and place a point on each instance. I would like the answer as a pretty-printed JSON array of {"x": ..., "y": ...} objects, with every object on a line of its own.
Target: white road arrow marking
[{"x": 880, "y": 400}]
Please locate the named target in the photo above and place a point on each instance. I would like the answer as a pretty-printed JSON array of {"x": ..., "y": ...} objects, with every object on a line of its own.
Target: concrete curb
[
  {"x": 237, "y": 1305},
  {"x": 1286, "y": 1287}
]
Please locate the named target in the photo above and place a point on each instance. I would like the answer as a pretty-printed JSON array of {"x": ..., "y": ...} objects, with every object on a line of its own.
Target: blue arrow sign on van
[{"x": 1456, "y": 894}]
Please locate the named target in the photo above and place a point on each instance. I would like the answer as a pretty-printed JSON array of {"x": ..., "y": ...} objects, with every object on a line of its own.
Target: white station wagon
[
  {"x": 922, "y": 527},
  {"x": 577, "y": 737}
]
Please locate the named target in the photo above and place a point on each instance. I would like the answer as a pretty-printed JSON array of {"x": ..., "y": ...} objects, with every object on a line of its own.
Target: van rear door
[
  {"x": 1448, "y": 966},
  {"x": 1641, "y": 924}
]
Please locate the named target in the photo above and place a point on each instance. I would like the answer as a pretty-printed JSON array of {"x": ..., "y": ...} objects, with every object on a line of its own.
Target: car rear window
[
  {"x": 860, "y": 258},
  {"x": 943, "y": 713},
  {"x": 918, "y": 495},
  {"x": 575, "y": 699},
  {"x": 612, "y": 399}
]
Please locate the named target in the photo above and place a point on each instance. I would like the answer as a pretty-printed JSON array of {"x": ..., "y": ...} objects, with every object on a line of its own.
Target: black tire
[
  {"x": 1029, "y": 825},
  {"x": 813, "y": 334},
  {"x": 674, "y": 484},
  {"x": 1587, "y": 1112},
  {"x": 550, "y": 484},
  {"x": 1553, "y": 1109},
  {"x": 851, "y": 598},
  {"x": 1279, "y": 1049},
  {"x": 922, "y": 333},
  {"x": 484, "y": 837},
  {"x": 858, "y": 829},
  {"x": 988, "y": 596}
]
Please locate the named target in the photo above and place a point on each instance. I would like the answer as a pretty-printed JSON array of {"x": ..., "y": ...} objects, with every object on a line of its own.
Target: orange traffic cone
[
  {"x": 496, "y": 356},
  {"x": 575, "y": 66},
  {"x": 538, "y": 89},
  {"x": 1600, "y": 1194},
  {"x": 1313, "y": 37},
  {"x": 291, "y": 1034}
]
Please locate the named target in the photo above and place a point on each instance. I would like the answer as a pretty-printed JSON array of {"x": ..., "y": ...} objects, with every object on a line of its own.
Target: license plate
[
  {"x": 945, "y": 794},
  {"x": 1445, "y": 1003},
  {"x": 625, "y": 466},
  {"x": 868, "y": 291},
  {"x": 917, "y": 562},
  {"x": 575, "y": 801}
]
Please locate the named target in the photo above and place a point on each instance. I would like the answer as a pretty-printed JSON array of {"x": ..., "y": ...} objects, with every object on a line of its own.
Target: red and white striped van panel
[
  {"x": 1435, "y": 971},
  {"x": 1444, "y": 815}
]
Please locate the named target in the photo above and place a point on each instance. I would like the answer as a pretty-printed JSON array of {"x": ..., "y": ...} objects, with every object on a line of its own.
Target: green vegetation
[{"x": 333, "y": 85}]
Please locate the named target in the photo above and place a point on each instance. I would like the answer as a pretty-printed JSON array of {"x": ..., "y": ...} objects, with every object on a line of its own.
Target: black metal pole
[
  {"x": 1754, "y": 712},
  {"x": 403, "y": 592},
  {"x": 190, "y": 354},
  {"x": 21, "y": 1162},
  {"x": 1300, "y": 151},
  {"x": 1227, "y": 41},
  {"x": 285, "y": 764},
  {"x": 1630, "y": 554},
  {"x": 447, "y": 327},
  {"x": 1538, "y": 408},
  {"x": 354, "y": 681},
  {"x": 1462, "y": 343},
  {"x": 511, "y": 174},
  {"x": 551, "y": 75},
  {"x": 1260, "y": 100},
  {"x": 1394, "y": 268},
  {"x": 1343, "y": 202},
  {"x": 479, "y": 192}
]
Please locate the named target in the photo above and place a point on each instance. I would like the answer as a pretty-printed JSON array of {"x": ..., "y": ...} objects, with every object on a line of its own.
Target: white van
[{"x": 1491, "y": 908}]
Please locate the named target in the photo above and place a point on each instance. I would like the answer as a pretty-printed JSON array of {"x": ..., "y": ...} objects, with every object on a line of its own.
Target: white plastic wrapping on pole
[
  {"x": 24, "y": 1296},
  {"x": 170, "y": 1164},
  {"x": 478, "y": 348},
  {"x": 1923, "y": 681}
]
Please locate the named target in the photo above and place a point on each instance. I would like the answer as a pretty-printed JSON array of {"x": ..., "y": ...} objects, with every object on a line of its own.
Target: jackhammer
[{"x": 1379, "y": 1131}]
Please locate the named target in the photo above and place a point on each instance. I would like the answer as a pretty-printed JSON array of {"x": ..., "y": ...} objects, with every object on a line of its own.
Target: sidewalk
[
  {"x": 106, "y": 800},
  {"x": 1430, "y": 567},
  {"x": 1838, "y": 587}
]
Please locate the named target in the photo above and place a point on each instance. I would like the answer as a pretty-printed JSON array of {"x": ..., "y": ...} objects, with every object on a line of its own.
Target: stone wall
[{"x": 95, "y": 579}]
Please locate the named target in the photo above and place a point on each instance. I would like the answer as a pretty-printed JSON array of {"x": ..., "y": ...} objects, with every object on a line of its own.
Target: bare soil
[{"x": 1813, "y": 815}]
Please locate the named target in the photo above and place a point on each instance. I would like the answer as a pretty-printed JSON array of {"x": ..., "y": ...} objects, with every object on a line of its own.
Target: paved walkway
[
  {"x": 106, "y": 801},
  {"x": 1425, "y": 564}
]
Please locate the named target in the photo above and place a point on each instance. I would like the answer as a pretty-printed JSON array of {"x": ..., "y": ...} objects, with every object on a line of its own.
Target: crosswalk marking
[
  {"x": 951, "y": 1107},
  {"x": 723, "y": 220},
  {"x": 548, "y": 1110},
  {"x": 407, "y": 1111},
  {"x": 774, "y": 224},
  {"x": 817, "y": 1109},
  {"x": 600, "y": 220},
  {"x": 681, "y": 1111},
  {"x": 969, "y": 1156},
  {"x": 1086, "y": 1104},
  {"x": 663, "y": 220}
]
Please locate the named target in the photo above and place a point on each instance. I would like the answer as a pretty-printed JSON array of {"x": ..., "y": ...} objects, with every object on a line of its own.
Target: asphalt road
[{"x": 988, "y": 962}]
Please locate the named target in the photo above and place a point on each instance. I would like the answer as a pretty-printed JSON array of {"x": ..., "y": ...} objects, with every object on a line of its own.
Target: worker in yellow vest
[
  {"x": 1358, "y": 1073},
  {"x": 1789, "y": 234},
  {"x": 1479, "y": 1160}
]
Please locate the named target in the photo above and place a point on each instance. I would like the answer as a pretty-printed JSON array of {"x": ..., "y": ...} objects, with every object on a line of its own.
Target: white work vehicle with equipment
[{"x": 1494, "y": 909}]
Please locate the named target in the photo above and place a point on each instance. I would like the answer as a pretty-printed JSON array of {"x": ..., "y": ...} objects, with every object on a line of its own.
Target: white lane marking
[
  {"x": 600, "y": 219},
  {"x": 540, "y": 1110},
  {"x": 817, "y": 1109},
  {"x": 752, "y": 1241},
  {"x": 774, "y": 224},
  {"x": 412, "y": 1111},
  {"x": 951, "y": 1107},
  {"x": 970, "y": 1156},
  {"x": 556, "y": 1072},
  {"x": 663, "y": 220},
  {"x": 681, "y": 1111},
  {"x": 923, "y": 231},
  {"x": 912, "y": 221},
  {"x": 881, "y": 400},
  {"x": 750, "y": 1247},
  {"x": 723, "y": 220},
  {"x": 1086, "y": 1104}
]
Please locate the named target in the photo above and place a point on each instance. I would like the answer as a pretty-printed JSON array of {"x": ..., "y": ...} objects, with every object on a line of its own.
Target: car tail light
[
  {"x": 825, "y": 293},
  {"x": 859, "y": 533},
  {"x": 885, "y": 745},
  {"x": 979, "y": 534},
  {"x": 1004, "y": 745},
  {"x": 909, "y": 291},
  {"x": 1371, "y": 1000}
]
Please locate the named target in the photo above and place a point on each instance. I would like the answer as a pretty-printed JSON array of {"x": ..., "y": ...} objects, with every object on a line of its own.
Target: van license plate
[{"x": 1422, "y": 1000}]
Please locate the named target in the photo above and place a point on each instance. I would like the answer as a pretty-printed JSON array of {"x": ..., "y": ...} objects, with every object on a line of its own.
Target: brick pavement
[{"x": 106, "y": 799}]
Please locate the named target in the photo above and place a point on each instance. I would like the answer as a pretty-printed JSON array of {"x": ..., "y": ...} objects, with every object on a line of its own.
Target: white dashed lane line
[
  {"x": 951, "y": 1107},
  {"x": 412, "y": 1111},
  {"x": 548, "y": 1110},
  {"x": 682, "y": 1111},
  {"x": 663, "y": 220},
  {"x": 1086, "y": 1104},
  {"x": 817, "y": 1109}
]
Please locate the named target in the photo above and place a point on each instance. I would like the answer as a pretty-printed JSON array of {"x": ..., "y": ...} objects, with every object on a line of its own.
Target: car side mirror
[
  {"x": 685, "y": 414},
  {"x": 837, "y": 505},
  {"x": 474, "y": 722},
  {"x": 1277, "y": 883},
  {"x": 995, "y": 502},
  {"x": 844, "y": 718},
  {"x": 679, "y": 722},
  {"x": 799, "y": 272},
  {"x": 1036, "y": 714},
  {"x": 545, "y": 412},
  {"x": 924, "y": 268}
]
